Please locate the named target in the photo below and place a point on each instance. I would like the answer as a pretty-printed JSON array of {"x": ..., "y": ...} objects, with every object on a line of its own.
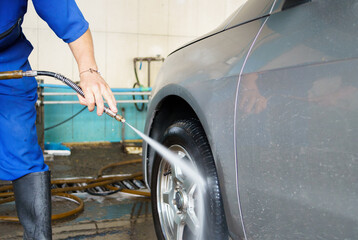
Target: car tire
[{"x": 187, "y": 139}]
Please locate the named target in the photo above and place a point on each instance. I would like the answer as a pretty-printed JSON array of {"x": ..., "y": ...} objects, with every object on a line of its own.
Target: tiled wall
[{"x": 124, "y": 29}]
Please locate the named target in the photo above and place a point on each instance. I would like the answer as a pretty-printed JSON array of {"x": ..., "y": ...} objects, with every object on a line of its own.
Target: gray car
[{"x": 266, "y": 108}]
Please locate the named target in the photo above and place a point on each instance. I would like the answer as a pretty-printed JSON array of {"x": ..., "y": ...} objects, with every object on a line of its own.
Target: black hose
[
  {"x": 137, "y": 83},
  {"x": 70, "y": 84},
  {"x": 62, "y": 78},
  {"x": 78, "y": 89},
  {"x": 68, "y": 119},
  {"x": 140, "y": 109},
  {"x": 136, "y": 74}
]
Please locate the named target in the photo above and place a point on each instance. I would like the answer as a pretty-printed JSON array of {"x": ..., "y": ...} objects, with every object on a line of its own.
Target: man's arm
[{"x": 92, "y": 84}]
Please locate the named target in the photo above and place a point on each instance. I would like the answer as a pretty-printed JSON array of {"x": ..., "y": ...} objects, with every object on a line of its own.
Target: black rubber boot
[{"x": 33, "y": 205}]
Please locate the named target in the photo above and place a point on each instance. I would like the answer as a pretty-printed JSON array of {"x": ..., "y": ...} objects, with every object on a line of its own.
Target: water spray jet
[{"x": 189, "y": 171}]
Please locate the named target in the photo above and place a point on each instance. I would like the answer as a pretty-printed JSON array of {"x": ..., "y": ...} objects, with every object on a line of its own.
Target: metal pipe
[
  {"x": 74, "y": 94},
  {"x": 10, "y": 75},
  {"x": 142, "y": 89},
  {"x": 123, "y": 128},
  {"x": 149, "y": 73},
  {"x": 144, "y": 59},
  {"x": 148, "y": 60},
  {"x": 76, "y": 102}
]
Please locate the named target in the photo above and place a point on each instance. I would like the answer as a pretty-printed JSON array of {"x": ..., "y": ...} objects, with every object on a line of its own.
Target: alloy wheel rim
[{"x": 176, "y": 196}]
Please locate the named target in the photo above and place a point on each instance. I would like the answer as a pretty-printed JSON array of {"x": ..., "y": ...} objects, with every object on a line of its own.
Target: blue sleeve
[{"x": 64, "y": 18}]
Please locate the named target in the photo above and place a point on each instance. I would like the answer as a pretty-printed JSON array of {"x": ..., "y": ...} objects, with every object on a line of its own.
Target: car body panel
[
  {"x": 205, "y": 74},
  {"x": 291, "y": 172},
  {"x": 297, "y": 156}
]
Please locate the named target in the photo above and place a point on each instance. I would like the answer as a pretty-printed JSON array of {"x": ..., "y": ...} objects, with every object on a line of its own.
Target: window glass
[{"x": 251, "y": 10}]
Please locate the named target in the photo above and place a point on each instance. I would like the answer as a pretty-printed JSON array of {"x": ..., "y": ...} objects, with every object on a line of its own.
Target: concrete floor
[{"x": 117, "y": 216}]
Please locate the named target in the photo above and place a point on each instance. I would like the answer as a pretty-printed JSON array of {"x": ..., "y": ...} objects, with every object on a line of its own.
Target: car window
[
  {"x": 218, "y": 29},
  {"x": 282, "y": 5},
  {"x": 251, "y": 10}
]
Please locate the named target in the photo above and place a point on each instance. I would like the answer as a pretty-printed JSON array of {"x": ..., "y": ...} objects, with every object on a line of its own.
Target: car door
[{"x": 297, "y": 124}]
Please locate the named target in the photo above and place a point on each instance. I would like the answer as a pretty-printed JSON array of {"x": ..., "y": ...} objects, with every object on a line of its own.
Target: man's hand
[
  {"x": 95, "y": 88},
  {"x": 93, "y": 85}
]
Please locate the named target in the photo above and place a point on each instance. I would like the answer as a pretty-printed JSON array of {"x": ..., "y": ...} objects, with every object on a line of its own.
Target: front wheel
[{"x": 175, "y": 196}]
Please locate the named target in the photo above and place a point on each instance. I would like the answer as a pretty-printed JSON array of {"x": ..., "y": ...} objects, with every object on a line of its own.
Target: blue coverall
[{"x": 20, "y": 153}]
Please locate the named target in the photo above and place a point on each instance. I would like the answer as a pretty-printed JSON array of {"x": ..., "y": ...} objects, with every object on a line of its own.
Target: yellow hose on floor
[{"x": 88, "y": 183}]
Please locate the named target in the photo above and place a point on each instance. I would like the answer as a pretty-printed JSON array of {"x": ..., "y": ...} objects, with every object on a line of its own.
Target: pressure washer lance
[{"x": 68, "y": 82}]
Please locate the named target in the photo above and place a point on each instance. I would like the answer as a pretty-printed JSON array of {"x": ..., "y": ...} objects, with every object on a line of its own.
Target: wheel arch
[{"x": 164, "y": 113}]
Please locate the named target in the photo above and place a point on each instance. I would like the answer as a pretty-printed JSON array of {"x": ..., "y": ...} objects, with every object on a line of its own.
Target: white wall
[{"x": 124, "y": 29}]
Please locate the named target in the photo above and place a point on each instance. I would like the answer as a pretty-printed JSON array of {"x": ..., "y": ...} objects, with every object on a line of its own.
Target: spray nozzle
[
  {"x": 110, "y": 113},
  {"x": 120, "y": 118}
]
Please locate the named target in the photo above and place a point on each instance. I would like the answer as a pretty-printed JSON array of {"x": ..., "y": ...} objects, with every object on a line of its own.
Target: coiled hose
[
  {"x": 6, "y": 195},
  {"x": 137, "y": 83}
]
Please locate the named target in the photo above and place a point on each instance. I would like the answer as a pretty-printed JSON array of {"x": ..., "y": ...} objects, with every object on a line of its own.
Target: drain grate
[{"x": 81, "y": 185}]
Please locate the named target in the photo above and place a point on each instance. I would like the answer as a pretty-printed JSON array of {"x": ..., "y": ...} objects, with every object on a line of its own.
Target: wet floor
[{"x": 117, "y": 216}]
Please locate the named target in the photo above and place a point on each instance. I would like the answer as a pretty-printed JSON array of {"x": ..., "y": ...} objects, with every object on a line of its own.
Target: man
[{"x": 21, "y": 159}]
